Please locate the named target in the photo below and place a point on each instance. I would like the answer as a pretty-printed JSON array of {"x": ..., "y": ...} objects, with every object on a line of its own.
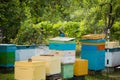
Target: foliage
[
  {"x": 41, "y": 32},
  {"x": 9, "y": 18},
  {"x": 115, "y": 31},
  {"x": 25, "y": 21}
]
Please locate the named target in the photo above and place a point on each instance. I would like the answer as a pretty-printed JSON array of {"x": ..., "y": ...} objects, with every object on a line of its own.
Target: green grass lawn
[{"x": 104, "y": 76}]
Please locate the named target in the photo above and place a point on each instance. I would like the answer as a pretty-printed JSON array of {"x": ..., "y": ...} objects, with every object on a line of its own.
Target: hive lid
[
  {"x": 26, "y": 63},
  {"x": 7, "y": 44},
  {"x": 62, "y": 39}
]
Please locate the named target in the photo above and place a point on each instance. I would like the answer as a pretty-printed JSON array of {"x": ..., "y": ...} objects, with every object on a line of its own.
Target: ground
[{"x": 105, "y": 76}]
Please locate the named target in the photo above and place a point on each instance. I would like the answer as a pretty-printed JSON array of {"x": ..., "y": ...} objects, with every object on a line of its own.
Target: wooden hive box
[
  {"x": 80, "y": 67},
  {"x": 67, "y": 56},
  {"x": 111, "y": 44},
  {"x": 62, "y": 43},
  {"x": 52, "y": 63},
  {"x": 67, "y": 70},
  {"x": 7, "y": 55},
  {"x": 93, "y": 36},
  {"x": 34, "y": 70}
]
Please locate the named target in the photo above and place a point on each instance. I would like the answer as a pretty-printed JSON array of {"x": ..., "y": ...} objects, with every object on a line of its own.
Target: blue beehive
[
  {"x": 96, "y": 59},
  {"x": 91, "y": 52},
  {"x": 24, "y": 52}
]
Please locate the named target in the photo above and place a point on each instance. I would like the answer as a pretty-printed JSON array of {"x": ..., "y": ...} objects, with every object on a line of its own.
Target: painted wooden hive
[
  {"x": 112, "y": 58},
  {"x": 67, "y": 70},
  {"x": 94, "y": 52},
  {"x": 52, "y": 63},
  {"x": 80, "y": 67},
  {"x": 34, "y": 70},
  {"x": 7, "y": 55},
  {"x": 64, "y": 47},
  {"x": 24, "y": 52},
  {"x": 67, "y": 56},
  {"x": 62, "y": 43}
]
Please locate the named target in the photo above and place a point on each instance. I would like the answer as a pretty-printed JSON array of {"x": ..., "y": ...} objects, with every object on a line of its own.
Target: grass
[
  {"x": 104, "y": 76},
  {"x": 8, "y": 76}
]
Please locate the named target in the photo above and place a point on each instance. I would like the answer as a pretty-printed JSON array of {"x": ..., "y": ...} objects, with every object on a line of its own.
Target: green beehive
[
  {"x": 67, "y": 70},
  {"x": 7, "y": 55}
]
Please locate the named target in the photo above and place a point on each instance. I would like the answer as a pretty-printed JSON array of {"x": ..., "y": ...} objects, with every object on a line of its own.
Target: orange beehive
[{"x": 80, "y": 67}]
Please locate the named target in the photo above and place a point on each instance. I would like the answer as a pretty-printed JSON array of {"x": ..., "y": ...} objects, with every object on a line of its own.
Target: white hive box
[
  {"x": 62, "y": 53},
  {"x": 112, "y": 58},
  {"x": 53, "y": 65},
  {"x": 34, "y": 70},
  {"x": 67, "y": 59},
  {"x": 67, "y": 56},
  {"x": 42, "y": 49}
]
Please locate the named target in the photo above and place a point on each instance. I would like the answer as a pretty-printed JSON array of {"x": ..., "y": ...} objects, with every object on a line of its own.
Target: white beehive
[
  {"x": 112, "y": 59},
  {"x": 67, "y": 56}
]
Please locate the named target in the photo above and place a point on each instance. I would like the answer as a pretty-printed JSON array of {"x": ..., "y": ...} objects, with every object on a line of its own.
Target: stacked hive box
[
  {"x": 34, "y": 70},
  {"x": 112, "y": 56},
  {"x": 65, "y": 48},
  {"x": 52, "y": 63},
  {"x": 42, "y": 49},
  {"x": 24, "y": 52},
  {"x": 94, "y": 52},
  {"x": 80, "y": 67},
  {"x": 7, "y": 55}
]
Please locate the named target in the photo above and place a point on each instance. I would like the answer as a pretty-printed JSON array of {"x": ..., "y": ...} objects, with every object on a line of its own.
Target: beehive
[
  {"x": 62, "y": 43},
  {"x": 34, "y": 70},
  {"x": 80, "y": 67},
  {"x": 94, "y": 52},
  {"x": 112, "y": 58},
  {"x": 7, "y": 55},
  {"x": 67, "y": 56},
  {"x": 96, "y": 59},
  {"x": 24, "y": 52},
  {"x": 67, "y": 70},
  {"x": 53, "y": 64}
]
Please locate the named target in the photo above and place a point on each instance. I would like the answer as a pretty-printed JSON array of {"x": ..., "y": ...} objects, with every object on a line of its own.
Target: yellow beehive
[
  {"x": 80, "y": 67},
  {"x": 34, "y": 70},
  {"x": 53, "y": 63}
]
